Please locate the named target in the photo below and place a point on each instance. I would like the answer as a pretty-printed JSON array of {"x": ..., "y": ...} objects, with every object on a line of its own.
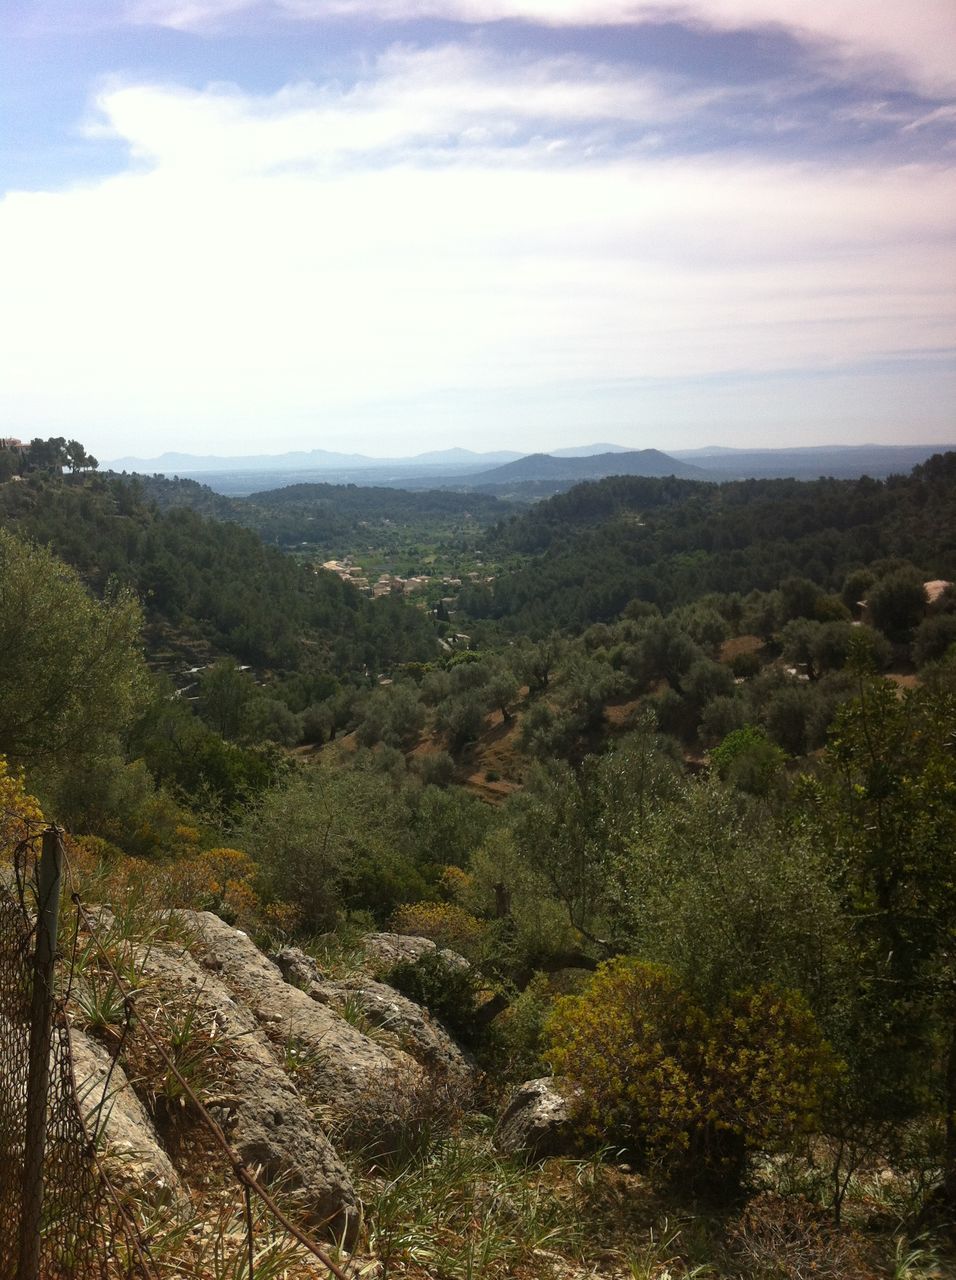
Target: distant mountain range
[
  {"x": 636, "y": 462},
  {"x": 807, "y": 463},
  {"x": 533, "y": 475},
  {"x": 449, "y": 460}
]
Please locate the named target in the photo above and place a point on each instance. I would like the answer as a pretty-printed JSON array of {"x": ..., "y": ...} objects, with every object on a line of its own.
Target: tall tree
[
  {"x": 72, "y": 670},
  {"x": 885, "y": 806}
]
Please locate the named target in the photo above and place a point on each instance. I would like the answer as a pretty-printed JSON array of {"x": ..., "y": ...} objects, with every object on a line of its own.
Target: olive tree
[{"x": 72, "y": 673}]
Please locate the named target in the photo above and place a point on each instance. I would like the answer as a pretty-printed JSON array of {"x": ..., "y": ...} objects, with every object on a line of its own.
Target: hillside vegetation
[
  {"x": 669, "y": 541},
  {"x": 684, "y": 797}
]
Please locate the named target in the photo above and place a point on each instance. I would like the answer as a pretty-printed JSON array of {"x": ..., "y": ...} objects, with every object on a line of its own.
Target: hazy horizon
[
  {"x": 567, "y": 450},
  {"x": 394, "y": 226}
]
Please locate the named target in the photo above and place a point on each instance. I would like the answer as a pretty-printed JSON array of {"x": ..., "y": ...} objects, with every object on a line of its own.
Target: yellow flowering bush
[
  {"x": 105, "y": 873},
  {"x": 221, "y": 880},
  {"x": 20, "y": 813},
  {"x": 447, "y": 924},
  {"x": 455, "y": 883},
  {"x": 690, "y": 1094}
]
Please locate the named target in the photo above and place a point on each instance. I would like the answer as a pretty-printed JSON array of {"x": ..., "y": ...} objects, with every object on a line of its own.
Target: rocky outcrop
[
  {"x": 405, "y": 1023},
  {"x": 346, "y": 1067},
  {"x": 282, "y": 1056},
  {"x": 251, "y": 1095},
  {"x": 125, "y": 1138},
  {"x": 536, "y": 1121},
  {"x": 385, "y": 950}
]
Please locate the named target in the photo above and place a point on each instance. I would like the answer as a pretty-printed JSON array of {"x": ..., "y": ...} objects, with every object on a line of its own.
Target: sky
[{"x": 389, "y": 226}]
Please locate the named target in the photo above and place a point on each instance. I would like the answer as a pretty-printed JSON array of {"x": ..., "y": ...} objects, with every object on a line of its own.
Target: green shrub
[
  {"x": 445, "y": 923},
  {"x": 745, "y": 665},
  {"x": 447, "y": 990},
  {"x": 897, "y": 603},
  {"x": 748, "y": 760}
]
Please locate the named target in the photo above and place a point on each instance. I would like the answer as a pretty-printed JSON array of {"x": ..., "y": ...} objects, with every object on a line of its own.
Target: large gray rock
[
  {"x": 406, "y": 1024},
  {"x": 135, "y": 1162},
  {"x": 264, "y": 1116},
  {"x": 536, "y": 1121},
  {"x": 347, "y": 1069},
  {"x": 385, "y": 950}
]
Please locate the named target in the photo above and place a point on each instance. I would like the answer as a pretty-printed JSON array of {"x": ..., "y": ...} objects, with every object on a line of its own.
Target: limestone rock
[
  {"x": 264, "y": 1116},
  {"x": 384, "y": 950},
  {"x": 136, "y": 1163},
  {"x": 536, "y": 1121},
  {"x": 298, "y": 967},
  {"x": 346, "y": 1067},
  {"x": 407, "y": 1024}
]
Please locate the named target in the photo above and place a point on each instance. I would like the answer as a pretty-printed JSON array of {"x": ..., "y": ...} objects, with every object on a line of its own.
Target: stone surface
[
  {"x": 536, "y": 1121},
  {"x": 264, "y": 1116},
  {"x": 135, "y": 1162},
  {"x": 383, "y": 950},
  {"x": 345, "y": 1065},
  {"x": 408, "y": 1025}
]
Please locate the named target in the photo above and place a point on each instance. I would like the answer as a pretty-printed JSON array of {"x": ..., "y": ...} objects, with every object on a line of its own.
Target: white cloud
[
  {"x": 253, "y": 271},
  {"x": 914, "y": 40},
  {"x": 412, "y": 101}
]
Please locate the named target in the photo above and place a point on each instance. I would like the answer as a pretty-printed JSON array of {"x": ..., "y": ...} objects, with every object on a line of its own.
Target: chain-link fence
[
  {"x": 58, "y": 1219},
  {"x": 60, "y": 1216}
]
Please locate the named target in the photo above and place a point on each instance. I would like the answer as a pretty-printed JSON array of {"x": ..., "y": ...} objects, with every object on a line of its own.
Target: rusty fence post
[{"x": 41, "y": 1034}]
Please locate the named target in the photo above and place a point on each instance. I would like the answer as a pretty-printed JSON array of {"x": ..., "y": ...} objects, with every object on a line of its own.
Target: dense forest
[
  {"x": 683, "y": 794},
  {"x": 670, "y": 541}
]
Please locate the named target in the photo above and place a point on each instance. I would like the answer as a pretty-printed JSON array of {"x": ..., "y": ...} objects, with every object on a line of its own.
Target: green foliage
[
  {"x": 720, "y": 717},
  {"x": 855, "y": 588},
  {"x": 729, "y": 897},
  {"x": 748, "y": 759},
  {"x": 744, "y": 665},
  {"x": 265, "y": 719},
  {"x": 448, "y": 824},
  {"x": 72, "y": 674},
  {"x": 691, "y": 1095},
  {"x": 787, "y": 716},
  {"x": 107, "y": 796},
  {"x": 186, "y": 756},
  {"x": 336, "y": 839},
  {"x": 799, "y": 597},
  {"x": 669, "y": 542},
  {"x": 224, "y": 691},
  {"x": 393, "y": 715},
  {"x": 447, "y": 924},
  {"x": 934, "y": 638},
  {"x": 333, "y": 840},
  {"x": 897, "y": 603},
  {"x": 461, "y": 718},
  {"x": 214, "y": 580},
  {"x": 436, "y": 769},
  {"x": 884, "y": 809},
  {"x": 534, "y": 931},
  {"x": 448, "y": 990},
  {"x": 519, "y": 1032},
  {"x": 570, "y": 826}
]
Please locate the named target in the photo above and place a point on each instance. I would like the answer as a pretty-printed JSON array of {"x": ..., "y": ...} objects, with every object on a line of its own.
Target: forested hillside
[
  {"x": 675, "y": 777},
  {"x": 344, "y": 518},
  {"x": 669, "y": 541},
  {"x": 211, "y": 579}
]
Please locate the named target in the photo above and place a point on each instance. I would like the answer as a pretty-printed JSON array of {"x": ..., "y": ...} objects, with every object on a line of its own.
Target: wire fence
[
  {"x": 58, "y": 1216},
  {"x": 61, "y": 1217}
]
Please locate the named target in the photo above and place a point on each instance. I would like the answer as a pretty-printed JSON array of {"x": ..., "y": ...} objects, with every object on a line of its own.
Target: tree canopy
[{"x": 72, "y": 670}]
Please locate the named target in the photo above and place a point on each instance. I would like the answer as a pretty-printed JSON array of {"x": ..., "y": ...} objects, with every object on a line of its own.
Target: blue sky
[{"x": 393, "y": 225}]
